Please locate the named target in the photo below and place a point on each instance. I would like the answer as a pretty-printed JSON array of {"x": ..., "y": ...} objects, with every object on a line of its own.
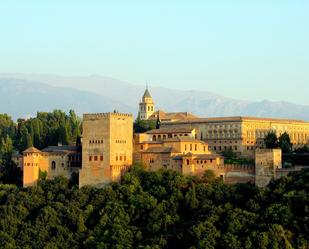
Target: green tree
[
  {"x": 271, "y": 140},
  {"x": 285, "y": 143}
]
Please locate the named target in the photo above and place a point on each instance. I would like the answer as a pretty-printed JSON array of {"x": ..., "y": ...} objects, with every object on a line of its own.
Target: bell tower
[{"x": 146, "y": 106}]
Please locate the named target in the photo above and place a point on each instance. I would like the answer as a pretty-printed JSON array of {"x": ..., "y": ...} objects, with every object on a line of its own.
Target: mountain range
[{"x": 22, "y": 95}]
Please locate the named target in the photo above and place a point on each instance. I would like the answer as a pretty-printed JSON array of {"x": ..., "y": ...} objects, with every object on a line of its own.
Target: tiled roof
[
  {"x": 32, "y": 150},
  {"x": 198, "y": 156},
  {"x": 160, "y": 150},
  {"x": 63, "y": 148},
  {"x": 234, "y": 119},
  {"x": 172, "y": 115},
  {"x": 146, "y": 94},
  {"x": 170, "y": 130}
]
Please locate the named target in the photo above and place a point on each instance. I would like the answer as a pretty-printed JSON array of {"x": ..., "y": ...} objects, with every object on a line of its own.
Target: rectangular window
[
  {"x": 96, "y": 158},
  {"x": 101, "y": 158},
  {"x": 190, "y": 146},
  {"x": 125, "y": 158},
  {"x": 90, "y": 158},
  {"x": 116, "y": 157},
  {"x": 120, "y": 158},
  {"x": 196, "y": 147}
]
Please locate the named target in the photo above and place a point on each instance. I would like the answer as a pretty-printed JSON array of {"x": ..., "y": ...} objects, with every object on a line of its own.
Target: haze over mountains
[{"x": 23, "y": 95}]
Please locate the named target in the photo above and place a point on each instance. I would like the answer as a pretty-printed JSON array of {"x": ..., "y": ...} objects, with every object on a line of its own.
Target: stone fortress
[{"x": 184, "y": 143}]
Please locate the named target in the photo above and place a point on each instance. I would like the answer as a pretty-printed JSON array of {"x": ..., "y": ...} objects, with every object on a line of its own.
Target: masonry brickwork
[{"x": 107, "y": 148}]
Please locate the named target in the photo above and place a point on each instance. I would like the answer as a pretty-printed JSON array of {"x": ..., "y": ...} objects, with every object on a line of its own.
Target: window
[
  {"x": 185, "y": 147},
  {"x": 125, "y": 158},
  {"x": 142, "y": 147},
  {"x": 116, "y": 157},
  {"x": 204, "y": 148},
  {"x": 190, "y": 146},
  {"x": 195, "y": 147},
  {"x": 95, "y": 158},
  {"x": 53, "y": 165},
  {"x": 188, "y": 162},
  {"x": 101, "y": 158},
  {"x": 120, "y": 158}
]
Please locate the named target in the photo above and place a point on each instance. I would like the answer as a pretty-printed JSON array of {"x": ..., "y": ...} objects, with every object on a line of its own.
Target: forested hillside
[{"x": 157, "y": 210}]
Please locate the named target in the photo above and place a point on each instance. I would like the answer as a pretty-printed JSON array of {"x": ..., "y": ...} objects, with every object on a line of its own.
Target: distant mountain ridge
[{"x": 23, "y": 95}]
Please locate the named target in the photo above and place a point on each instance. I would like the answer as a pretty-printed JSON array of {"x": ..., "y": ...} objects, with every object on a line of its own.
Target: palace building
[
  {"x": 174, "y": 149},
  {"x": 242, "y": 134},
  {"x": 61, "y": 160}
]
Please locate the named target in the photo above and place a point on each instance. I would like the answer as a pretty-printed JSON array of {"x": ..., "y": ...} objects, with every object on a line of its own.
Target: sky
[{"x": 251, "y": 50}]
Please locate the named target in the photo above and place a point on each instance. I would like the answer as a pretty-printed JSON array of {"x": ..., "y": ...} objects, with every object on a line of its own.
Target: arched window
[
  {"x": 53, "y": 165},
  {"x": 188, "y": 162},
  {"x": 154, "y": 138}
]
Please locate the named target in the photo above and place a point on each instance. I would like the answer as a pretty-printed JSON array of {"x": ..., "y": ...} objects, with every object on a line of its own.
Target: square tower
[{"x": 107, "y": 148}]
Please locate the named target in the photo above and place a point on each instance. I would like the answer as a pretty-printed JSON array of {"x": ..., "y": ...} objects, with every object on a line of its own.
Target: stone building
[
  {"x": 146, "y": 106},
  {"x": 54, "y": 160},
  {"x": 147, "y": 111},
  {"x": 174, "y": 149},
  {"x": 242, "y": 134},
  {"x": 107, "y": 147}
]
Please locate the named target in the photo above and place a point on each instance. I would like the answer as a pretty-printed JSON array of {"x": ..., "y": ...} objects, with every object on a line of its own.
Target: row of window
[
  {"x": 74, "y": 157},
  {"x": 96, "y": 158},
  {"x": 149, "y": 108},
  {"x": 195, "y": 147},
  {"x": 121, "y": 141},
  {"x": 221, "y": 148},
  {"x": 96, "y": 141},
  {"x": 165, "y": 136},
  {"x": 30, "y": 164},
  {"x": 203, "y": 161},
  {"x": 121, "y": 157}
]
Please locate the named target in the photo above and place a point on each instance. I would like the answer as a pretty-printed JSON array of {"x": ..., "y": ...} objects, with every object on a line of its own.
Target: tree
[
  {"x": 285, "y": 143},
  {"x": 271, "y": 140}
]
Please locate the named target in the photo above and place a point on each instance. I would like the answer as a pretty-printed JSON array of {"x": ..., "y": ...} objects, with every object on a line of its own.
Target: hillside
[{"x": 22, "y": 94}]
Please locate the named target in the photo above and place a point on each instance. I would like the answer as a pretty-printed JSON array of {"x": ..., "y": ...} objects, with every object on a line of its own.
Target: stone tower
[
  {"x": 267, "y": 161},
  {"x": 146, "y": 106},
  {"x": 107, "y": 148}
]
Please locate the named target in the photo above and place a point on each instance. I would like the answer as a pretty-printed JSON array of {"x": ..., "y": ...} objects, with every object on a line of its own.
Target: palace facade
[{"x": 243, "y": 135}]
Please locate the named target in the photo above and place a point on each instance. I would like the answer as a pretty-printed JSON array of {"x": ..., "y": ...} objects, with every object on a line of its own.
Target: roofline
[{"x": 235, "y": 119}]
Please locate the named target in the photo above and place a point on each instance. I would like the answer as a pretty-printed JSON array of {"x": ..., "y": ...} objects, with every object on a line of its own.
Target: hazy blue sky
[{"x": 253, "y": 49}]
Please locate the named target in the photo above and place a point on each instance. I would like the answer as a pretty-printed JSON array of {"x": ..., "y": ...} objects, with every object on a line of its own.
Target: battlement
[
  {"x": 98, "y": 116},
  {"x": 237, "y": 167}
]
